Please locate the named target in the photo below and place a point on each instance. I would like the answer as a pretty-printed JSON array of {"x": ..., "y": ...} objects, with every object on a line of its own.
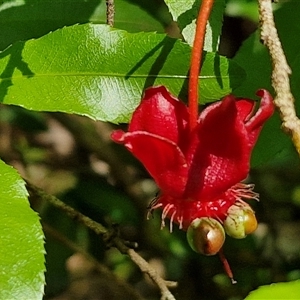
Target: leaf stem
[{"x": 196, "y": 57}]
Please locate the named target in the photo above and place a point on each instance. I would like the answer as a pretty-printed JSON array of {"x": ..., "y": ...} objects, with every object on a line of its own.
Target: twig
[
  {"x": 110, "y": 12},
  {"x": 110, "y": 237},
  {"x": 98, "y": 266},
  {"x": 71, "y": 212},
  {"x": 146, "y": 268},
  {"x": 284, "y": 99}
]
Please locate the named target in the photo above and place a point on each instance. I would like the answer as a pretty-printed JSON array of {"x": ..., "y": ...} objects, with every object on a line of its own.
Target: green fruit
[{"x": 240, "y": 221}]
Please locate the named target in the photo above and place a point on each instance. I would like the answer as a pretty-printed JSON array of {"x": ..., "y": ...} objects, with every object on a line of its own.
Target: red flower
[{"x": 198, "y": 172}]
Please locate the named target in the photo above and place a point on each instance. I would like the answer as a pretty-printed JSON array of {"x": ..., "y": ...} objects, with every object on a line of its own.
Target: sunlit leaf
[
  {"x": 282, "y": 290},
  {"x": 21, "y": 241},
  {"x": 101, "y": 72},
  {"x": 185, "y": 13},
  {"x": 23, "y": 19}
]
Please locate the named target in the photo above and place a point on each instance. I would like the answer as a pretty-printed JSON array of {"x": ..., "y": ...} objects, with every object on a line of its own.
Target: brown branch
[
  {"x": 146, "y": 268},
  {"x": 109, "y": 236},
  {"x": 130, "y": 292},
  {"x": 71, "y": 212},
  {"x": 284, "y": 99},
  {"x": 110, "y": 12}
]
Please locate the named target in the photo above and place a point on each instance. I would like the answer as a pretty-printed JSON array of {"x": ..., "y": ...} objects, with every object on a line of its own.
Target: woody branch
[{"x": 284, "y": 99}]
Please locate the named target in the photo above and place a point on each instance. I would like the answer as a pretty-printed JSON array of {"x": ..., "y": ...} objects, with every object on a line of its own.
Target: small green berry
[{"x": 240, "y": 221}]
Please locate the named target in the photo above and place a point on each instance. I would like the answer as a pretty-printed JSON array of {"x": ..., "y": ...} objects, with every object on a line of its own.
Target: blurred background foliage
[{"x": 73, "y": 157}]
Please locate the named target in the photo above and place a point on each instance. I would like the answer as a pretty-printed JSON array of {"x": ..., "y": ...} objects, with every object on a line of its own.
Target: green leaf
[
  {"x": 23, "y": 20},
  {"x": 157, "y": 9},
  {"x": 255, "y": 60},
  {"x": 185, "y": 13},
  {"x": 282, "y": 290},
  {"x": 21, "y": 241},
  {"x": 242, "y": 8},
  {"x": 123, "y": 18},
  {"x": 100, "y": 72}
]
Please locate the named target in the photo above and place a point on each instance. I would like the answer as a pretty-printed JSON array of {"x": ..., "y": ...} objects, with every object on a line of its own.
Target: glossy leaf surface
[
  {"x": 282, "y": 290},
  {"x": 21, "y": 241},
  {"x": 101, "y": 72},
  {"x": 22, "y": 20}
]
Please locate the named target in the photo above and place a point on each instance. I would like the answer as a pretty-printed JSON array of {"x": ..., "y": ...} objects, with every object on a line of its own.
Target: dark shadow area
[
  {"x": 234, "y": 32},
  {"x": 15, "y": 62},
  {"x": 183, "y": 94},
  {"x": 187, "y": 17},
  {"x": 36, "y": 18},
  {"x": 190, "y": 15},
  {"x": 217, "y": 70},
  {"x": 156, "y": 8},
  {"x": 165, "y": 47}
]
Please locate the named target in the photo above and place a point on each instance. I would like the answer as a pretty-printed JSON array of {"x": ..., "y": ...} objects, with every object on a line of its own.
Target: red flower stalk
[{"x": 198, "y": 172}]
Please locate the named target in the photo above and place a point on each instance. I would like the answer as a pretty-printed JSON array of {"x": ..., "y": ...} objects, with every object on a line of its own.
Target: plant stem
[
  {"x": 284, "y": 99},
  {"x": 109, "y": 236},
  {"x": 110, "y": 12},
  {"x": 196, "y": 57},
  {"x": 146, "y": 268},
  {"x": 101, "y": 269}
]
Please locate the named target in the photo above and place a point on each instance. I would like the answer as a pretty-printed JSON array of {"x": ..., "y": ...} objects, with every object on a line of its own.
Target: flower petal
[
  {"x": 227, "y": 132},
  {"x": 255, "y": 123},
  {"x": 162, "y": 158},
  {"x": 161, "y": 114},
  {"x": 245, "y": 108},
  {"x": 221, "y": 155}
]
